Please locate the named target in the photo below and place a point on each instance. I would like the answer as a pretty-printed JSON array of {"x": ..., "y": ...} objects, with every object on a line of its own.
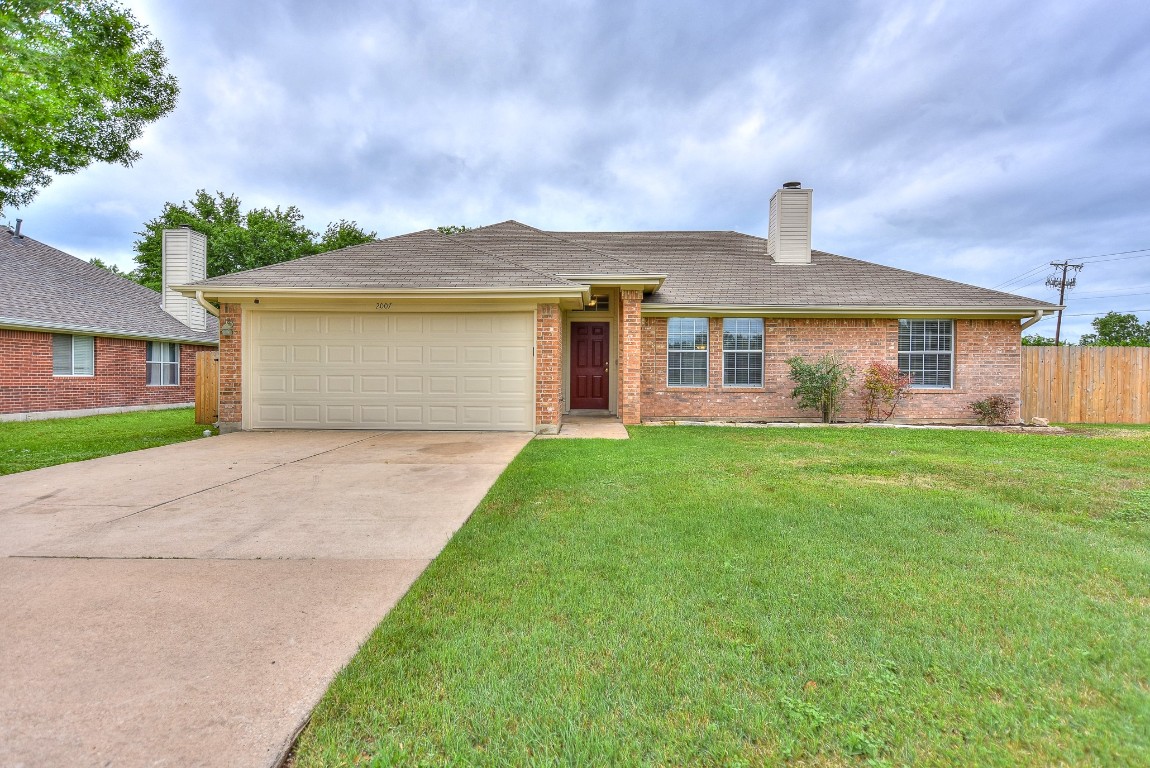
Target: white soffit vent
[
  {"x": 789, "y": 230},
  {"x": 185, "y": 260}
]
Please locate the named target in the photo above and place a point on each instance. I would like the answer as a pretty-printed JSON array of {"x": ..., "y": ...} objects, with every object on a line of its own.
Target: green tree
[
  {"x": 1116, "y": 329},
  {"x": 238, "y": 240},
  {"x": 821, "y": 384},
  {"x": 79, "y": 81},
  {"x": 342, "y": 234},
  {"x": 98, "y": 262},
  {"x": 1036, "y": 340},
  {"x": 453, "y": 229}
]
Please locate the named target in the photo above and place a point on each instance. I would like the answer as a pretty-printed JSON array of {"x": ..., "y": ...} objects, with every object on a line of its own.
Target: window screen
[
  {"x": 163, "y": 364},
  {"x": 926, "y": 352},
  {"x": 73, "y": 355},
  {"x": 743, "y": 351},
  {"x": 687, "y": 352}
]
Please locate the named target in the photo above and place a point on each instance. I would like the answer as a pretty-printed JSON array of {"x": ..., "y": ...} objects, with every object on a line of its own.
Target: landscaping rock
[{"x": 1038, "y": 421}]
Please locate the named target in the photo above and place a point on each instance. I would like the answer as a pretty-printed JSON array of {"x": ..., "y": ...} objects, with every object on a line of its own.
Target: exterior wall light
[{"x": 226, "y": 328}]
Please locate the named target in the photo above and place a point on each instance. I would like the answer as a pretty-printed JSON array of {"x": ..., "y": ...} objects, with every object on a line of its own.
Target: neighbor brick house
[
  {"x": 76, "y": 339},
  {"x": 510, "y": 327}
]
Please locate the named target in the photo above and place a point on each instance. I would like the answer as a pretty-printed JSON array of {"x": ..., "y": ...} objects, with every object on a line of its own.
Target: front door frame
[{"x": 611, "y": 318}]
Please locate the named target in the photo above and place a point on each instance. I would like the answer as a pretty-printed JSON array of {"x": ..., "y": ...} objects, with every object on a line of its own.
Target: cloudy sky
[{"x": 970, "y": 139}]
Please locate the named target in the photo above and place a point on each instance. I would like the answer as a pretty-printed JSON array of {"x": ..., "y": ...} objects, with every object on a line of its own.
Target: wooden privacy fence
[
  {"x": 207, "y": 387},
  {"x": 1086, "y": 384}
]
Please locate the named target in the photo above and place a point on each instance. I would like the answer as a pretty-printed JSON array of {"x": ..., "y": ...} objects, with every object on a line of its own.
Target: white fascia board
[
  {"x": 712, "y": 310},
  {"x": 255, "y": 291},
  {"x": 648, "y": 282},
  {"x": 92, "y": 330}
]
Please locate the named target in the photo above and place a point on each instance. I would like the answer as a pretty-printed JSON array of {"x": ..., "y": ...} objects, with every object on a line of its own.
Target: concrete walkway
[
  {"x": 188, "y": 605},
  {"x": 587, "y": 425}
]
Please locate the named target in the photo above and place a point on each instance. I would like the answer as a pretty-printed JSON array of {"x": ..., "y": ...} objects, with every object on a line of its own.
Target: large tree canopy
[
  {"x": 238, "y": 240},
  {"x": 79, "y": 81},
  {"x": 1117, "y": 329}
]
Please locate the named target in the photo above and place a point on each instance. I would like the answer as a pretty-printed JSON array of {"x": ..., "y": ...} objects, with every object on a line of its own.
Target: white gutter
[
  {"x": 207, "y": 305},
  {"x": 1037, "y": 316},
  {"x": 643, "y": 280},
  {"x": 549, "y": 292},
  {"x": 742, "y": 310}
]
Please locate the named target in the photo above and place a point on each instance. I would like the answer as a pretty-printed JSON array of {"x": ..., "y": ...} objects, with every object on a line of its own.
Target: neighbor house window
[
  {"x": 926, "y": 352},
  {"x": 73, "y": 355},
  {"x": 687, "y": 352},
  {"x": 743, "y": 352},
  {"x": 163, "y": 364}
]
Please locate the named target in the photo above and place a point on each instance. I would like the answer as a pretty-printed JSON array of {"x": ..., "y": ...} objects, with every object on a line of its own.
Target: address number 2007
[{"x": 383, "y": 305}]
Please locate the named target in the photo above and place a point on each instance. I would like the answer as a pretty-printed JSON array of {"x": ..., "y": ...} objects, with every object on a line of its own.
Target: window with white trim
[
  {"x": 926, "y": 352},
  {"x": 743, "y": 352},
  {"x": 687, "y": 352},
  {"x": 73, "y": 355},
  {"x": 163, "y": 364}
]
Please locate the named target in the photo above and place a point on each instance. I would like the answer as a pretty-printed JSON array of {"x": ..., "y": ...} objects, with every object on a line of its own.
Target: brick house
[
  {"x": 510, "y": 327},
  {"x": 76, "y": 339}
]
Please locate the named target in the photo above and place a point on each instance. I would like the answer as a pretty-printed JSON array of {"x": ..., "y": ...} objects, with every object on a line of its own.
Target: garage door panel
[{"x": 461, "y": 371}]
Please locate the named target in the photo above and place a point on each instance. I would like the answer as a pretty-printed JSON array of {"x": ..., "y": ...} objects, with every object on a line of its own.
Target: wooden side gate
[
  {"x": 1086, "y": 384},
  {"x": 207, "y": 387}
]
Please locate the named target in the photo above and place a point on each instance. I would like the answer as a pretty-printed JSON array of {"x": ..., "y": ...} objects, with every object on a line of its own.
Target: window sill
[
  {"x": 162, "y": 386},
  {"x": 73, "y": 375},
  {"x": 937, "y": 391}
]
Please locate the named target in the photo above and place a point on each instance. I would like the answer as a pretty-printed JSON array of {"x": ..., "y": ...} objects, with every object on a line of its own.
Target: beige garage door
[{"x": 315, "y": 370}]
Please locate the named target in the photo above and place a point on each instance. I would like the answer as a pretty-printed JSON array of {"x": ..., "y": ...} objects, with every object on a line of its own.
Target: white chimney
[
  {"x": 185, "y": 257},
  {"x": 789, "y": 230}
]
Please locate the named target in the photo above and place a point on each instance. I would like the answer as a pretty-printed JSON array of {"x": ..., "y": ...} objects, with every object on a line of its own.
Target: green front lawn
[
  {"x": 752, "y": 596},
  {"x": 28, "y": 445}
]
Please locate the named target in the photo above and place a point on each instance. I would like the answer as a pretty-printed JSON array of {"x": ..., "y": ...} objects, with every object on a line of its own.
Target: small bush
[
  {"x": 883, "y": 388},
  {"x": 993, "y": 410},
  {"x": 821, "y": 384}
]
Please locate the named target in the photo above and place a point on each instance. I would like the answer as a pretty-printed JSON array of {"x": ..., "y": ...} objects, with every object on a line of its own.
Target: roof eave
[
  {"x": 477, "y": 292},
  {"x": 846, "y": 310},
  {"x": 92, "y": 330},
  {"x": 642, "y": 281}
]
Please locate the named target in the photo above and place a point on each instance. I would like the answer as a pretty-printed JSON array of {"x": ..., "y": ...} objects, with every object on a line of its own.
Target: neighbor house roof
[
  {"x": 420, "y": 260},
  {"x": 42, "y": 288},
  {"x": 720, "y": 269}
]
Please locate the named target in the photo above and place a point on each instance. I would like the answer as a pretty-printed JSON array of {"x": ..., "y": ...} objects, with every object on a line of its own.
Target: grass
[
  {"x": 28, "y": 445},
  {"x": 746, "y": 597}
]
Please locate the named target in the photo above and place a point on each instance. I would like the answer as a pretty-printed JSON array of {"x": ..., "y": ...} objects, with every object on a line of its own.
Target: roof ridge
[
  {"x": 504, "y": 259},
  {"x": 554, "y": 236}
]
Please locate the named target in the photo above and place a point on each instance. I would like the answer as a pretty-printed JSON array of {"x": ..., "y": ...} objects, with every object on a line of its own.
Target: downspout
[
  {"x": 214, "y": 311},
  {"x": 1037, "y": 316}
]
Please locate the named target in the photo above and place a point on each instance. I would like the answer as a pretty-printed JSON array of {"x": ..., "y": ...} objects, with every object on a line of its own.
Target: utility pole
[{"x": 1061, "y": 283}]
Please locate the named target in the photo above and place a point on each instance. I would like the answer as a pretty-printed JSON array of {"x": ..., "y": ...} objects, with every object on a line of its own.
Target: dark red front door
[{"x": 590, "y": 352}]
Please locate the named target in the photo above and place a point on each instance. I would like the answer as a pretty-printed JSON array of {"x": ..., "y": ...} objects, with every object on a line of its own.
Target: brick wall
[
  {"x": 548, "y": 367},
  {"x": 987, "y": 362},
  {"x": 630, "y": 356},
  {"x": 231, "y": 368},
  {"x": 27, "y": 384}
]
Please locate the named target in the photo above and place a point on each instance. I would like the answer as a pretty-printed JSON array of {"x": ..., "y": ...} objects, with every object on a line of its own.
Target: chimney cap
[
  {"x": 185, "y": 226},
  {"x": 793, "y": 185}
]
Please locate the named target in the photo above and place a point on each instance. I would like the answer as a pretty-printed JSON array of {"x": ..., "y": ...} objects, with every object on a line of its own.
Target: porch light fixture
[{"x": 226, "y": 328}]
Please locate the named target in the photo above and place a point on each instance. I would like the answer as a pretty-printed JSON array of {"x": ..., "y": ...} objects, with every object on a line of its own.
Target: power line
[
  {"x": 1081, "y": 297},
  {"x": 1062, "y": 282},
  {"x": 1099, "y": 314},
  {"x": 1091, "y": 259}
]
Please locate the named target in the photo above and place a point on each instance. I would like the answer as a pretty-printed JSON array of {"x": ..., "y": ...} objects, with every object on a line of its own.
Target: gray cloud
[{"x": 968, "y": 140}]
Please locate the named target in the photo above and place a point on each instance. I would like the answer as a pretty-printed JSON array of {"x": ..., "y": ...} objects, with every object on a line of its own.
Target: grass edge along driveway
[
  {"x": 26, "y": 445},
  {"x": 746, "y": 597}
]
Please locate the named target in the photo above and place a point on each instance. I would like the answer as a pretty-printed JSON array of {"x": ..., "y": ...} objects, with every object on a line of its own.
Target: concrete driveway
[{"x": 188, "y": 605}]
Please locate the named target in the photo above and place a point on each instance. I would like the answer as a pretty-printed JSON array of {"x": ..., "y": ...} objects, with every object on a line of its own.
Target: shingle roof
[
  {"x": 545, "y": 251},
  {"x": 41, "y": 286},
  {"x": 424, "y": 259},
  {"x": 730, "y": 268},
  {"x": 702, "y": 268}
]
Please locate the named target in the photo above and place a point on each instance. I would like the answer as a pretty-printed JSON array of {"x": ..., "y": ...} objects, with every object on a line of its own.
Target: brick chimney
[
  {"x": 185, "y": 260},
  {"x": 789, "y": 230}
]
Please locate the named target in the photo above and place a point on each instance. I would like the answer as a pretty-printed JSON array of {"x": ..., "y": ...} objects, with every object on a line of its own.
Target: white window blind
[{"x": 73, "y": 355}]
